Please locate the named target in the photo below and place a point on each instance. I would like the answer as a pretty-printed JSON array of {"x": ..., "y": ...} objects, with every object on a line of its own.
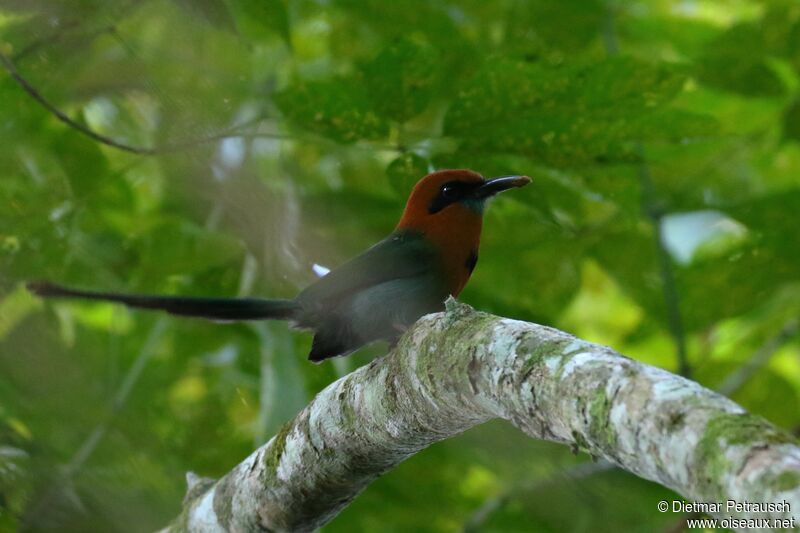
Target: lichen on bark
[{"x": 456, "y": 369}]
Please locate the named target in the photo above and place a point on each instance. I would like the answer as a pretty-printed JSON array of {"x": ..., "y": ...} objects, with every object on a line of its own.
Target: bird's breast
[
  {"x": 459, "y": 244},
  {"x": 455, "y": 232}
]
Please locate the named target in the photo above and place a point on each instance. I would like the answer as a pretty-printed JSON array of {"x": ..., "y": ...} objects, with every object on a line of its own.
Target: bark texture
[{"x": 459, "y": 368}]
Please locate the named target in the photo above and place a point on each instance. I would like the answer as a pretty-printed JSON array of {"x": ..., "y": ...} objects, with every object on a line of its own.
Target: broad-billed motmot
[{"x": 377, "y": 295}]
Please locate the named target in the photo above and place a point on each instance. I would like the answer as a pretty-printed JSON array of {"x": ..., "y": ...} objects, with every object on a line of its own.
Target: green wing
[{"x": 400, "y": 255}]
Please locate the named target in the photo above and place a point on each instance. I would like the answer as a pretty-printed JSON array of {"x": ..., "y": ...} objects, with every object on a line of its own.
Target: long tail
[{"x": 213, "y": 308}]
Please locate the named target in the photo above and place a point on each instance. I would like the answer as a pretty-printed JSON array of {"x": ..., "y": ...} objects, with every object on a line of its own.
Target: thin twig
[
  {"x": 654, "y": 213},
  {"x": 669, "y": 286},
  {"x": 60, "y": 115},
  {"x": 129, "y": 381},
  {"x": 144, "y": 150},
  {"x": 57, "y": 36},
  {"x": 759, "y": 359},
  {"x": 75, "y": 24},
  {"x": 90, "y": 443},
  {"x": 118, "y": 402},
  {"x": 576, "y": 472},
  {"x": 108, "y": 141}
]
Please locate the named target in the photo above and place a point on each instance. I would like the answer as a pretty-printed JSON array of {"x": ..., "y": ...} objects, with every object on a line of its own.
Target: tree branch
[
  {"x": 60, "y": 115},
  {"x": 735, "y": 381},
  {"x": 456, "y": 369},
  {"x": 178, "y": 146},
  {"x": 235, "y": 132}
]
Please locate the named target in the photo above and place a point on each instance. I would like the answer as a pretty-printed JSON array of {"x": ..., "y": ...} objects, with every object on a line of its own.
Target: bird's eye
[{"x": 449, "y": 192}]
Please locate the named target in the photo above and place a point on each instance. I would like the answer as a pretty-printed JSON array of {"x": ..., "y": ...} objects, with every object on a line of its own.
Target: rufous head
[{"x": 453, "y": 194}]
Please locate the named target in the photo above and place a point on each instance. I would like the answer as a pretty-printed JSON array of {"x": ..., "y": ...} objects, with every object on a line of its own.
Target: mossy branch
[{"x": 459, "y": 368}]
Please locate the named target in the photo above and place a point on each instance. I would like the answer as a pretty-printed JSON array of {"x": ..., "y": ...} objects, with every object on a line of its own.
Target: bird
[{"x": 378, "y": 294}]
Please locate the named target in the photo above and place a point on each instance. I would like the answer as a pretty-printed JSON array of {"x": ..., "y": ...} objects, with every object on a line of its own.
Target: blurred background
[{"x": 226, "y": 147}]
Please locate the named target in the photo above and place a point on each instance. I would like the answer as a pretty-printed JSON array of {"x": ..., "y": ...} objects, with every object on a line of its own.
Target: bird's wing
[{"x": 402, "y": 254}]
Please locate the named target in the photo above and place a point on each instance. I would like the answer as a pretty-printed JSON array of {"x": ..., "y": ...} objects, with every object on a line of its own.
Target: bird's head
[{"x": 453, "y": 196}]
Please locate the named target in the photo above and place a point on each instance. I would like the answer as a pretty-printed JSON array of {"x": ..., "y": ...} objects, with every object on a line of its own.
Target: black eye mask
[{"x": 452, "y": 192}]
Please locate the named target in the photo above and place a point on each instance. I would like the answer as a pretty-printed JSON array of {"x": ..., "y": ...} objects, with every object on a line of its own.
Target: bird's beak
[{"x": 496, "y": 185}]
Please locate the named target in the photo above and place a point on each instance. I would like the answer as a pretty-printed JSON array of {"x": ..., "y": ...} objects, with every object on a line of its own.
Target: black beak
[{"x": 496, "y": 185}]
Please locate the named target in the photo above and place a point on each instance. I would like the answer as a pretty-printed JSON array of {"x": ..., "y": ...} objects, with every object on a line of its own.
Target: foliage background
[{"x": 662, "y": 137}]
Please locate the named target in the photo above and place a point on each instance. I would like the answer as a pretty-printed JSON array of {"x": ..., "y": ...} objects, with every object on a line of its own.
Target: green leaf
[
  {"x": 748, "y": 272},
  {"x": 566, "y": 25},
  {"x": 791, "y": 122},
  {"x": 402, "y": 77},
  {"x": 214, "y": 12},
  {"x": 735, "y": 61},
  {"x": 565, "y": 114},
  {"x": 726, "y": 286},
  {"x": 405, "y": 171},
  {"x": 170, "y": 247},
  {"x": 628, "y": 255},
  {"x": 337, "y": 108},
  {"x": 766, "y": 392},
  {"x": 773, "y": 221},
  {"x": 82, "y": 162},
  {"x": 255, "y": 17}
]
